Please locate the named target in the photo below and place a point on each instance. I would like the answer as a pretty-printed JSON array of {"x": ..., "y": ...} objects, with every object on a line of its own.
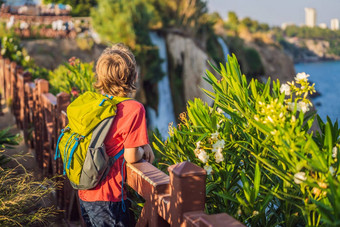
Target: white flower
[
  {"x": 302, "y": 106},
  {"x": 218, "y": 145},
  {"x": 208, "y": 169},
  {"x": 197, "y": 151},
  {"x": 291, "y": 106},
  {"x": 218, "y": 126},
  {"x": 198, "y": 144},
  {"x": 301, "y": 76},
  {"x": 214, "y": 136},
  {"x": 285, "y": 88},
  {"x": 216, "y": 149},
  {"x": 219, "y": 156},
  {"x": 300, "y": 177},
  {"x": 27, "y": 58},
  {"x": 335, "y": 152},
  {"x": 293, "y": 118},
  {"x": 219, "y": 110},
  {"x": 332, "y": 170},
  {"x": 203, "y": 156}
]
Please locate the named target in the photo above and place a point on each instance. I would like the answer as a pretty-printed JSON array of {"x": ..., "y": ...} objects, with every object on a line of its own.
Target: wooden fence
[{"x": 175, "y": 200}]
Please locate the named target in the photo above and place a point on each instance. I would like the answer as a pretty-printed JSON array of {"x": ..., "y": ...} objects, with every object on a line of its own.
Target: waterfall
[
  {"x": 224, "y": 48},
  {"x": 165, "y": 113}
]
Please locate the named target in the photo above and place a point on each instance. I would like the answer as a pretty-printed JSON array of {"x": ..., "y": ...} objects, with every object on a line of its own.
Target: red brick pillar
[{"x": 187, "y": 191}]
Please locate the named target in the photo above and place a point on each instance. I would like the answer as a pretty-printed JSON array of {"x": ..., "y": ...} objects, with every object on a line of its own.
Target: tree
[
  {"x": 232, "y": 18},
  {"x": 128, "y": 22}
]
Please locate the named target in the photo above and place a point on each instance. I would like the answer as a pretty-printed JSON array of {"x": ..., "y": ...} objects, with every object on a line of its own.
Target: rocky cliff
[
  {"x": 308, "y": 50},
  {"x": 276, "y": 64},
  {"x": 50, "y": 53},
  {"x": 187, "y": 64}
]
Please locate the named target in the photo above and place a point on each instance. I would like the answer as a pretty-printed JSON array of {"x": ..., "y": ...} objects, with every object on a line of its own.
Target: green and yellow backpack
[{"x": 81, "y": 142}]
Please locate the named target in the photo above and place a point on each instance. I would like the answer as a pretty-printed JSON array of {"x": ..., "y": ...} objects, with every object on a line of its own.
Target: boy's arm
[{"x": 135, "y": 154}]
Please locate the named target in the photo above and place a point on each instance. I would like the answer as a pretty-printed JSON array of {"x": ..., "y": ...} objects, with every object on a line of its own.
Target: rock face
[
  {"x": 50, "y": 53},
  {"x": 277, "y": 65},
  {"x": 309, "y": 50},
  {"x": 193, "y": 62}
]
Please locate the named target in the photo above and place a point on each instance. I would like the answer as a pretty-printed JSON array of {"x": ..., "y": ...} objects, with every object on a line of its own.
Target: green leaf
[{"x": 257, "y": 180}]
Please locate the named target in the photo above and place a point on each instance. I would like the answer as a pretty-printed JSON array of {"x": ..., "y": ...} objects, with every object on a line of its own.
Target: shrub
[
  {"x": 264, "y": 166},
  {"x": 85, "y": 43},
  {"x": 74, "y": 77},
  {"x": 12, "y": 49}
]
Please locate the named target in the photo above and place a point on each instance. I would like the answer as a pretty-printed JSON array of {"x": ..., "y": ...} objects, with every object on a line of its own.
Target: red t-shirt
[{"x": 128, "y": 130}]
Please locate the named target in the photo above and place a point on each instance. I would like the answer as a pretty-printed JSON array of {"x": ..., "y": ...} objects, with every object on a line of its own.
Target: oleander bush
[
  {"x": 265, "y": 164},
  {"x": 74, "y": 77}
]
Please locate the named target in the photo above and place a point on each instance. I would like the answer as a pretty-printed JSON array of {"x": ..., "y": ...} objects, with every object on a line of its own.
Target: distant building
[
  {"x": 335, "y": 24},
  {"x": 310, "y": 17},
  {"x": 323, "y": 25},
  {"x": 286, "y": 24}
]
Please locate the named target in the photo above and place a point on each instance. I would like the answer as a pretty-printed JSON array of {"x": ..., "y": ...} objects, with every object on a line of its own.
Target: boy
[{"x": 116, "y": 75}]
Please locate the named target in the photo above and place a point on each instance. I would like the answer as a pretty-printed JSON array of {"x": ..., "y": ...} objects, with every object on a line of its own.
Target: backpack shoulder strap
[{"x": 101, "y": 130}]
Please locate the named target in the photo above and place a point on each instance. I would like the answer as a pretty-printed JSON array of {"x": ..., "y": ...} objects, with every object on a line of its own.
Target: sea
[
  {"x": 21, "y": 2},
  {"x": 326, "y": 76}
]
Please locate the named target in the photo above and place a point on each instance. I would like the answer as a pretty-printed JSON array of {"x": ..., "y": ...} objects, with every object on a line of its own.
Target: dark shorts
[{"x": 102, "y": 213}]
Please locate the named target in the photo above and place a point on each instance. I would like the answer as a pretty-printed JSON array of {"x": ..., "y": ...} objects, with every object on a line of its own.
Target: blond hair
[{"x": 116, "y": 71}]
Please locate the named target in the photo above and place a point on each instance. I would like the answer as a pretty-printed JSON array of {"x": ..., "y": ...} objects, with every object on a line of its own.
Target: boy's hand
[{"x": 148, "y": 153}]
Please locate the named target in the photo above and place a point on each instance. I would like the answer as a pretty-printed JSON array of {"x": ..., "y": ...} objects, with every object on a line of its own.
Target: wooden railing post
[
  {"x": 67, "y": 196},
  {"x": 15, "y": 93},
  {"x": 63, "y": 100},
  {"x": 49, "y": 103},
  {"x": 30, "y": 113},
  {"x": 187, "y": 190},
  {"x": 12, "y": 80},
  {"x": 2, "y": 82},
  {"x": 41, "y": 88},
  {"x": 7, "y": 83},
  {"x": 2, "y": 79},
  {"x": 23, "y": 78}
]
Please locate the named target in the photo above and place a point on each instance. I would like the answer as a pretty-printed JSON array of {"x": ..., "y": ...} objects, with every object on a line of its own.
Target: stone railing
[{"x": 174, "y": 200}]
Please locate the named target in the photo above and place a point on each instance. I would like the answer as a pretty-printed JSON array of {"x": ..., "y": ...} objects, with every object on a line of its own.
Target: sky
[{"x": 276, "y": 12}]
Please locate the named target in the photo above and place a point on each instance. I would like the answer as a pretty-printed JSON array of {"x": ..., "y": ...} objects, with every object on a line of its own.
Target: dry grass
[{"x": 24, "y": 201}]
